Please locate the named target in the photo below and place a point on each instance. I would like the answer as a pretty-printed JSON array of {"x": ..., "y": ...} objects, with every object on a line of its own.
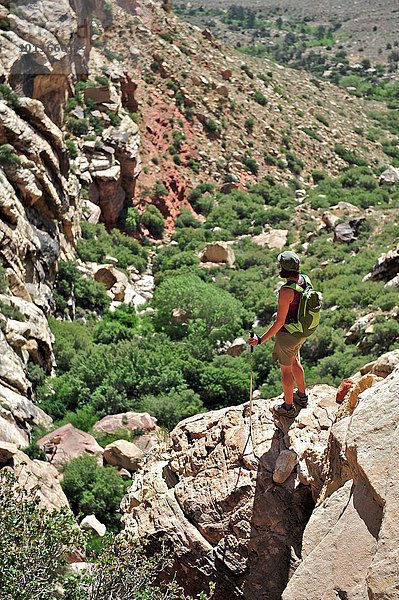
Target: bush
[
  {"x": 251, "y": 164},
  {"x": 153, "y": 220},
  {"x": 173, "y": 407},
  {"x": 72, "y": 149},
  {"x": 187, "y": 219},
  {"x": 124, "y": 570},
  {"x": 260, "y": 98},
  {"x": 131, "y": 219},
  {"x": 200, "y": 198},
  {"x": 78, "y": 127},
  {"x": 8, "y": 95},
  {"x": 34, "y": 542},
  {"x": 96, "y": 243},
  {"x": 89, "y": 294},
  {"x": 92, "y": 489},
  {"x": 8, "y": 158},
  {"x": 110, "y": 330},
  {"x": 349, "y": 156}
]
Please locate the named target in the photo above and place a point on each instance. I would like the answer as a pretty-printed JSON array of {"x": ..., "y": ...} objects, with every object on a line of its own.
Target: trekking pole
[{"x": 250, "y": 436}]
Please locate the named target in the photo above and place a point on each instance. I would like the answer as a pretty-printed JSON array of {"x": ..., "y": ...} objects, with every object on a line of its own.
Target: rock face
[
  {"x": 39, "y": 59},
  {"x": 350, "y": 543},
  {"x": 33, "y": 473},
  {"x": 227, "y": 519},
  {"x": 67, "y": 442},
  {"x": 39, "y": 204}
]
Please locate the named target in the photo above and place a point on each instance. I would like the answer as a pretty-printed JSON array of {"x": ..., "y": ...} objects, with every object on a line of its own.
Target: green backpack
[{"x": 308, "y": 317}]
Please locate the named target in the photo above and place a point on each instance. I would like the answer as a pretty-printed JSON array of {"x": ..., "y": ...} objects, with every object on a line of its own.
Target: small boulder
[
  {"x": 285, "y": 464},
  {"x": 123, "y": 454},
  {"x": 343, "y": 390},
  {"x": 347, "y": 232},
  {"x": 91, "y": 523}
]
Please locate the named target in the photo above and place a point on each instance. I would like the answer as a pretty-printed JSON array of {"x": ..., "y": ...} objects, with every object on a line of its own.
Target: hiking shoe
[
  {"x": 281, "y": 411},
  {"x": 300, "y": 399}
]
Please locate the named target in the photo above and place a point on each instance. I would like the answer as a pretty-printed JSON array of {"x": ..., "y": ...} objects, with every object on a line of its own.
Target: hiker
[{"x": 287, "y": 346}]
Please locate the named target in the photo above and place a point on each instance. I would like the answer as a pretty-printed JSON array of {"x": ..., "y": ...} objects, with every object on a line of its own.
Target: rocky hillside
[
  {"x": 208, "y": 113},
  {"x": 235, "y": 507}
]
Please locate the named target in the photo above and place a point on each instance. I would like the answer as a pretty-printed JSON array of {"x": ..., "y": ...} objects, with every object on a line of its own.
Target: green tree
[{"x": 195, "y": 300}]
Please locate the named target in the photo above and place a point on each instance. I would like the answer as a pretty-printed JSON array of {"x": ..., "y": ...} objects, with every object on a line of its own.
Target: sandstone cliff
[
  {"x": 229, "y": 521},
  {"x": 40, "y": 208}
]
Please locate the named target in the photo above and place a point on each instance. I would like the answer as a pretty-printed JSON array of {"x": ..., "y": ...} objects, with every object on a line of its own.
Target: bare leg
[
  {"x": 299, "y": 375},
  {"x": 287, "y": 381}
]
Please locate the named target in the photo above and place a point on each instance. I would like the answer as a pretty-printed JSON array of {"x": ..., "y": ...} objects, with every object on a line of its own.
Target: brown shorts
[{"x": 286, "y": 346}]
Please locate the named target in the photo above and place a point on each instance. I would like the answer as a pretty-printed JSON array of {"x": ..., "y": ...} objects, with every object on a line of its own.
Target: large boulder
[
  {"x": 226, "y": 518},
  {"x": 386, "y": 268},
  {"x": 34, "y": 474},
  {"x": 92, "y": 524},
  {"x": 123, "y": 454},
  {"x": 384, "y": 365},
  {"x": 126, "y": 421},
  {"x": 351, "y": 541},
  {"x": 67, "y": 442},
  {"x": 218, "y": 252},
  {"x": 274, "y": 238},
  {"x": 390, "y": 176}
]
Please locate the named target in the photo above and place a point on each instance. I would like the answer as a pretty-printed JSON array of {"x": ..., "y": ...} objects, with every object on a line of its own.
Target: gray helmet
[{"x": 289, "y": 261}]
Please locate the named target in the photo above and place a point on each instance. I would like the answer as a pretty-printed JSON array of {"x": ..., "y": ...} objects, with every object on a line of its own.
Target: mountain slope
[{"x": 206, "y": 113}]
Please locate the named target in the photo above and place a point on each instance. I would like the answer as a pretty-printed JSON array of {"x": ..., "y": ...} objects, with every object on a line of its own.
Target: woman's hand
[{"x": 255, "y": 340}]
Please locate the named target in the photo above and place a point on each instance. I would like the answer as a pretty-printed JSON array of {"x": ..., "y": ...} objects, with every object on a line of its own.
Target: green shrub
[
  {"x": 322, "y": 119},
  {"x": 132, "y": 219},
  {"x": 78, "y": 127},
  {"x": 197, "y": 301},
  {"x": 89, "y": 294},
  {"x": 96, "y": 243},
  {"x": 10, "y": 312},
  {"x": 153, "y": 220},
  {"x": 92, "y": 489},
  {"x": 34, "y": 542},
  {"x": 200, "y": 198},
  {"x": 260, "y": 98},
  {"x": 8, "y": 95},
  {"x": 251, "y": 164},
  {"x": 249, "y": 124},
  {"x": 8, "y": 158},
  {"x": 211, "y": 127},
  {"x": 187, "y": 219},
  {"x": 173, "y": 407},
  {"x": 349, "y": 156},
  {"x": 72, "y": 149}
]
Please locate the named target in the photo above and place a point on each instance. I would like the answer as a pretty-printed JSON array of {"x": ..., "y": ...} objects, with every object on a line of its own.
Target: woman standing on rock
[{"x": 287, "y": 346}]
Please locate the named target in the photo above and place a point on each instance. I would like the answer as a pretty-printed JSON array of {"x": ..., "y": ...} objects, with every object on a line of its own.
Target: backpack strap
[{"x": 296, "y": 287}]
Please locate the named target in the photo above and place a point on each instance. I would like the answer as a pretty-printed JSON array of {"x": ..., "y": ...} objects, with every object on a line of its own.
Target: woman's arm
[{"x": 285, "y": 297}]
